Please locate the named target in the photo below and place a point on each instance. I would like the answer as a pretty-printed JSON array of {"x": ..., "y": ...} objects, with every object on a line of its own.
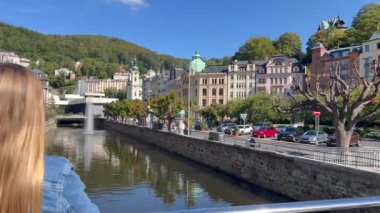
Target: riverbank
[{"x": 292, "y": 176}]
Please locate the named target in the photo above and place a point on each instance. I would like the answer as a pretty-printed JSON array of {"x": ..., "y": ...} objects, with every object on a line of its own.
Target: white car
[{"x": 244, "y": 129}]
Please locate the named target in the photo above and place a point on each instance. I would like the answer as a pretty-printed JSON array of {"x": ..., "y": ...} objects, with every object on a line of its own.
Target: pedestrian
[{"x": 29, "y": 181}]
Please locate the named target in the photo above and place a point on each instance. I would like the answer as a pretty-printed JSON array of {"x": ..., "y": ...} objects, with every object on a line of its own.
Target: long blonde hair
[{"x": 22, "y": 132}]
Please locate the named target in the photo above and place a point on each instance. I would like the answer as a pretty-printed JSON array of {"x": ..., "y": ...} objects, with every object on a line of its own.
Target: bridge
[{"x": 77, "y": 121}]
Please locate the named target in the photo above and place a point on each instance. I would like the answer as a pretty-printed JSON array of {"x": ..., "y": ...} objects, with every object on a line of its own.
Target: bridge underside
[{"x": 79, "y": 122}]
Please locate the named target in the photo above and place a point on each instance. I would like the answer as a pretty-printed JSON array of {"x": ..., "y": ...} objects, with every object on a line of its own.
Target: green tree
[
  {"x": 331, "y": 38},
  {"x": 111, "y": 92},
  {"x": 256, "y": 48},
  {"x": 167, "y": 107},
  {"x": 289, "y": 44},
  {"x": 365, "y": 23},
  {"x": 98, "y": 53},
  {"x": 346, "y": 103}
]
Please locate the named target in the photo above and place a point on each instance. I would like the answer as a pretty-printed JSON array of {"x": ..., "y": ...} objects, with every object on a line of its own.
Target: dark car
[
  {"x": 289, "y": 134},
  {"x": 355, "y": 140},
  {"x": 230, "y": 129},
  {"x": 223, "y": 127}
]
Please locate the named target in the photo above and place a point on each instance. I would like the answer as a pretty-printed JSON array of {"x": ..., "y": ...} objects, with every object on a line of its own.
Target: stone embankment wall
[{"x": 292, "y": 176}]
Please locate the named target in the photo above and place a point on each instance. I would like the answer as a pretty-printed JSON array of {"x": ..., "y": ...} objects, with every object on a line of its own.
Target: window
[
  {"x": 214, "y": 101},
  {"x": 280, "y": 80},
  {"x": 366, "y": 48},
  {"x": 203, "y": 102},
  {"x": 378, "y": 45},
  {"x": 220, "y": 91},
  {"x": 214, "y": 92},
  {"x": 232, "y": 77},
  {"x": 232, "y": 85},
  {"x": 271, "y": 80},
  {"x": 261, "y": 80},
  {"x": 220, "y": 101},
  {"x": 275, "y": 80},
  {"x": 285, "y": 80},
  {"x": 196, "y": 82},
  {"x": 204, "y": 91},
  {"x": 196, "y": 92},
  {"x": 231, "y": 94}
]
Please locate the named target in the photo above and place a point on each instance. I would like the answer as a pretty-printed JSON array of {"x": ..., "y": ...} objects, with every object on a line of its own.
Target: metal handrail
[{"x": 296, "y": 207}]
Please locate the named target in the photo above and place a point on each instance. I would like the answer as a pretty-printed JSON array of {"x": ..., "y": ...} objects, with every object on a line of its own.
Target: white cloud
[{"x": 133, "y": 3}]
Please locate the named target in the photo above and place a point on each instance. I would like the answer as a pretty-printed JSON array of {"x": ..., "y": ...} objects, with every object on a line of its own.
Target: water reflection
[{"x": 123, "y": 174}]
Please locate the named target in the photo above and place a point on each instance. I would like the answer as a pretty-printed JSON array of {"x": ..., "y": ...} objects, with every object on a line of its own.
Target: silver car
[
  {"x": 314, "y": 137},
  {"x": 224, "y": 126}
]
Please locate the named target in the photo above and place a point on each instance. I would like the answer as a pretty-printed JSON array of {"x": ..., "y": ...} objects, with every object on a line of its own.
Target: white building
[
  {"x": 122, "y": 76},
  {"x": 134, "y": 85},
  {"x": 11, "y": 57},
  {"x": 99, "y": 86},
  {"x": 371, "y": 51},
  {"x": 68, "y": 74},
  {"x": 241, "y": 79}
]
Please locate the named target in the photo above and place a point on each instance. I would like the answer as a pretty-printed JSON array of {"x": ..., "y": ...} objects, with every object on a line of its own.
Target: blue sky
[{"x": 215, "y": 28}]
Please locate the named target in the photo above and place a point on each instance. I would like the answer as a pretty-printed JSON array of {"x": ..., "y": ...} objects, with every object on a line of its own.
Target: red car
[{"x": 265, "y": 132}]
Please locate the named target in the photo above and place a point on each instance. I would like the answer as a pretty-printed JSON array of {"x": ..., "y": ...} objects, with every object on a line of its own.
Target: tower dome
[{"x": 196, "y": 63}]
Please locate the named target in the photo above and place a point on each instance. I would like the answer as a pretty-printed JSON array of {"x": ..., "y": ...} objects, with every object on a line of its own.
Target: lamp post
[{"x": 188, "y": 104}]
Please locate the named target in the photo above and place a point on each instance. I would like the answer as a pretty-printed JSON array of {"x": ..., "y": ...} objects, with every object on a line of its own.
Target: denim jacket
[{"x": 63, "y": 191}]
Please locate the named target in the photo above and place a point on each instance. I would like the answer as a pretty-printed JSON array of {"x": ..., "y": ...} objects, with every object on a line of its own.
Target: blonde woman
[{"x": 29, "y": 181}]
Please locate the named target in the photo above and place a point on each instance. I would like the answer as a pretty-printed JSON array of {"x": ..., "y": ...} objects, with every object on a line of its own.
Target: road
[{"x": 241, "y": 140}]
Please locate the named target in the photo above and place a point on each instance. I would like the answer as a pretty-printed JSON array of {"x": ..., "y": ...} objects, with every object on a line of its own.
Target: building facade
[
  {"x": 100, "y": 85},
  {"x": 325, "y": 61},
  {"x": 279, "y": 74},
  {"x": 11, "y": 57},
  {"x": 201, "y": 85},
  {"x": 370, "y": 52},
  {"x": 122, "y": 76},
  {"x": 241, "y": 79},
  {"x": 66, "y": 73}
]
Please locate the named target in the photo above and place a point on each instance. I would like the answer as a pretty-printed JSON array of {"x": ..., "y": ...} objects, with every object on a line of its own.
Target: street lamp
[{"x": 188, "y": 104}]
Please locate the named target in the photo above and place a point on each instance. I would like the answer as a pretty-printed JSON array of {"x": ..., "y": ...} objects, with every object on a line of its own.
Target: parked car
[
  {"x": 355, "y": 140},
  {"x": 260, "y": 124},
  {"x": 289, "y": 134},
  {"x": 223, "y": 127},
  {"x": 281, "y": 128},
  {"x": 244, "y": 129},
  {"x": 314, "y": 137},
  {"x": 201, "y": 126},
  {"x": 230, "y": 129},
  {"x": 265, "y": 132}
]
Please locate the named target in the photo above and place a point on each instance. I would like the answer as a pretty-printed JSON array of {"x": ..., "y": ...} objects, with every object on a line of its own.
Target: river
[{"x": 124, "y": 175}]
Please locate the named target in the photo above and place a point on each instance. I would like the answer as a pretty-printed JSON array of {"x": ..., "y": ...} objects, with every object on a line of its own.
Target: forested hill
[{"x": 101, "y": 55}]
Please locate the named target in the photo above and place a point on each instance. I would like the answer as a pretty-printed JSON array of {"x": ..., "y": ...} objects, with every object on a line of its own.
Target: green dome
[{"x": 196, "y": 63}]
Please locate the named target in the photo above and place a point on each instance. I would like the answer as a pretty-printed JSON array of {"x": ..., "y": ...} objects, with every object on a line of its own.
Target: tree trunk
[{"x": 343, "y": 135}]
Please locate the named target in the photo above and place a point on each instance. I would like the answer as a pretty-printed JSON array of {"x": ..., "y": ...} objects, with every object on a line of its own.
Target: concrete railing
[{"x": 303, "y": 206}]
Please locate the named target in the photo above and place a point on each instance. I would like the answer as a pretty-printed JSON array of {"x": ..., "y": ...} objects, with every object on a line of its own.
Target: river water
[{"x": 124, "y": 175}]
